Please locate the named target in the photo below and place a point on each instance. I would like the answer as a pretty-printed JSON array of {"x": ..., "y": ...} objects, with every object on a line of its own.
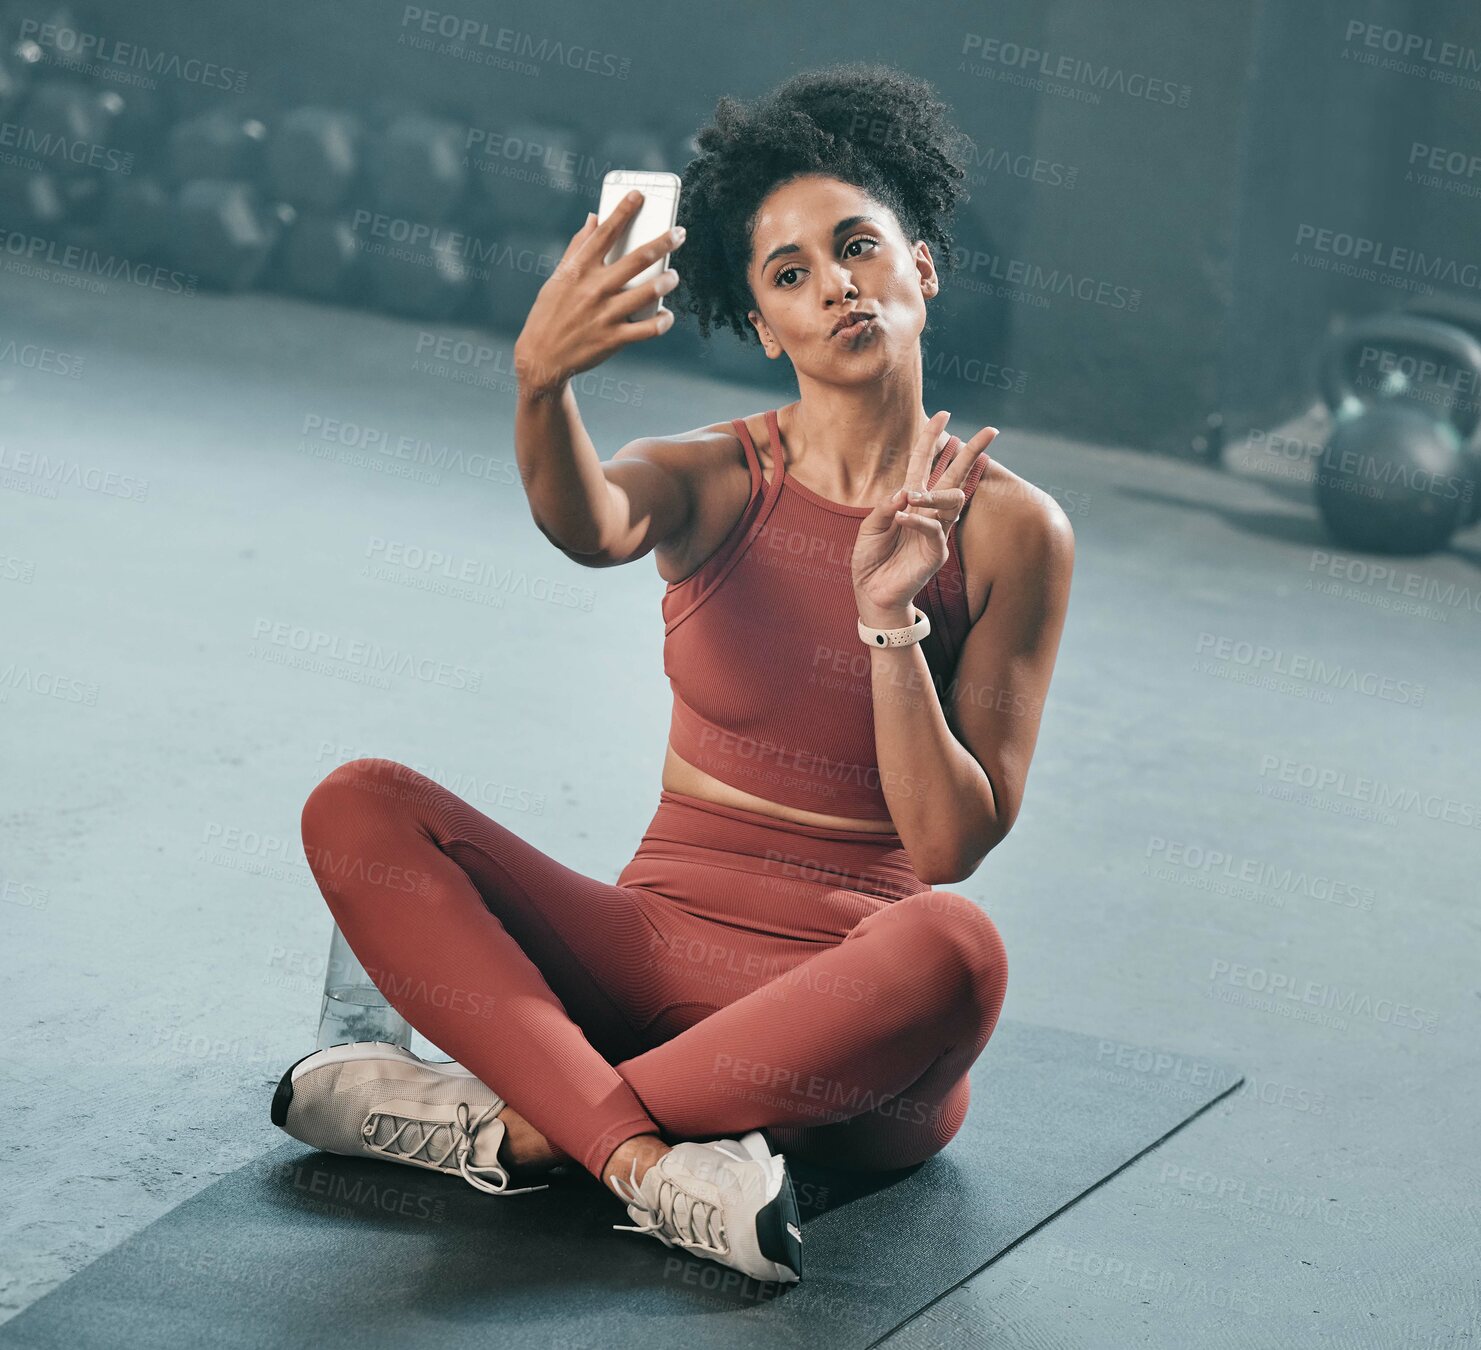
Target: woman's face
[{"x": 821, "y": 248}]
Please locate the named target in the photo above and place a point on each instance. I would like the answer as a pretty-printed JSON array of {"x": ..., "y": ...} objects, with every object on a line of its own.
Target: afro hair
[{"x": 870, "y": 125}]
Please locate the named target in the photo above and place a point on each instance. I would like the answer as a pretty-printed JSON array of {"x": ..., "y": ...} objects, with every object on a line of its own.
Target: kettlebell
[{"x": 1400, "y": 474}]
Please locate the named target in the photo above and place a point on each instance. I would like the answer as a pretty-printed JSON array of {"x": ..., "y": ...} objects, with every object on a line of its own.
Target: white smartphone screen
[{"x": 655, "y": 216}]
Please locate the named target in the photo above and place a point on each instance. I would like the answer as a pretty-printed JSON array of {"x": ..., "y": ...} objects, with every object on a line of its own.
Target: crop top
[{"x": 773, "y": 690}]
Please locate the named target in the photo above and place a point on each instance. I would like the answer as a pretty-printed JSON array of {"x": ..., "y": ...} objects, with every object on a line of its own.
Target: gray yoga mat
[{"x": 304, "y": 1248}]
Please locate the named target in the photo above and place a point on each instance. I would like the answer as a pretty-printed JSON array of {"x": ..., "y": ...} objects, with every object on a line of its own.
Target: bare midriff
[{"x": 681, "y": 776}]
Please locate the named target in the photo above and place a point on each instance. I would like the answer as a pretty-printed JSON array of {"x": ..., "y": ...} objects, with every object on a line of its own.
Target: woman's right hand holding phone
[{"x": 579, "y": 318}]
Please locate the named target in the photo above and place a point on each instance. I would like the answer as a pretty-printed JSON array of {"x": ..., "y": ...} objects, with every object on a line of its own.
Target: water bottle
[{"x": 354, "y": 1009}]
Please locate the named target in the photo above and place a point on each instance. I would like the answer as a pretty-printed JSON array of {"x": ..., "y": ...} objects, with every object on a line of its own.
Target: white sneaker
[
  {"x": 729, "y": 1200},
  {"x": 370, "y": 1099}
]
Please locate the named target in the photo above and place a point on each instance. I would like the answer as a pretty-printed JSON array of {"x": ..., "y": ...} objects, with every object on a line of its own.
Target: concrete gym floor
[{"x": 165, "y": 941}]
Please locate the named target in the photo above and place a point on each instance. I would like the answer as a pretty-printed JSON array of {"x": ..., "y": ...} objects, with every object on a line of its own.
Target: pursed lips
[{"x": 859, "y": 323}]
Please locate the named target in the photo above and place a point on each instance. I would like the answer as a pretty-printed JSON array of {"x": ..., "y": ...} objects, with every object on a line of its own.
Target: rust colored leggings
[{"x": 742, "y": 971}]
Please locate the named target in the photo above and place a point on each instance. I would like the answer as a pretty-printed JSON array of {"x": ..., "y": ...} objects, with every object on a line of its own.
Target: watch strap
[{"x": 897, "y": 637}]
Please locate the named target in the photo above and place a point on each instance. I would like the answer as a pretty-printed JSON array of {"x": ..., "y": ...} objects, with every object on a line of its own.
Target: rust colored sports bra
[{"x": 772, "y": 687}]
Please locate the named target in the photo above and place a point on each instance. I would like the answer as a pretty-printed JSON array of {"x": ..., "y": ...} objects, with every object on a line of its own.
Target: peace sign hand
[{"x": 902, "y": 542}]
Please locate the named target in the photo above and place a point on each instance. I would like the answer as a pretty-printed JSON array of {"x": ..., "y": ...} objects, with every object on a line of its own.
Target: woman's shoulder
[
  {"x": 719, "y": 479},
  {"x": 711, "y": 446},
  {"x": 1002, "y": 493},
  {"x": 1008, "y": 519}
]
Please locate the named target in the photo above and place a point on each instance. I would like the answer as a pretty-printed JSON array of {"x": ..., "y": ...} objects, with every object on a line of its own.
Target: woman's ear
[
  {"x": 925, "y": 267},
  {"x": 768, "y": 343}
]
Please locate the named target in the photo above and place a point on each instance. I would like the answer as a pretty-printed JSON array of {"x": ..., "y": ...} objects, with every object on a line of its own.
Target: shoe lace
[
  {"x": 698, "y": 1227},
  {"x": 442, "y": 1141}
]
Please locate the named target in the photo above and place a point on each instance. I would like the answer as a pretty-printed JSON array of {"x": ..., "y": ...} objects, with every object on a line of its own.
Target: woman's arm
[
  {"x": 954, "y": 780},
  {"x": 597, "y": 514},
  {"x": 600, "y": 515}
]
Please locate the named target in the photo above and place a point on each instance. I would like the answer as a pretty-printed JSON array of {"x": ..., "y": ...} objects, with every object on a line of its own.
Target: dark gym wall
[
  {"x": 1327, "y": 144},
  {"x": 1185, "y": 192},
  {"x": 1131, "y": 356}
]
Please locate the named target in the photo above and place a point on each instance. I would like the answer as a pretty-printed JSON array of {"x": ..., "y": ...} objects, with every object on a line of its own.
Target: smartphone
[{"x": 656, "y": 215}]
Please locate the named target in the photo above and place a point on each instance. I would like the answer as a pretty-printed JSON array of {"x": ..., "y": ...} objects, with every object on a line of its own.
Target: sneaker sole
[{"x": 334, "y": 1054}]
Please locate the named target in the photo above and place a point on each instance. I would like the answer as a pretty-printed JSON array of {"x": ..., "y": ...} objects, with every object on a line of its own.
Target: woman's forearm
[
  {"x": 939, "y": 798},
  {"x": 562, "y": 475}
]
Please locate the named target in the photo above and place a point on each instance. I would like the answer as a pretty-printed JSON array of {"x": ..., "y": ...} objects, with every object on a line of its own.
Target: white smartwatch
[{"x": 897, "y": 637}]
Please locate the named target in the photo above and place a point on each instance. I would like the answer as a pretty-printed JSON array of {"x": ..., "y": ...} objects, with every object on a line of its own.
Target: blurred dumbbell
[
  {"x": 522, "y": 266},
  {"x": 70, "y": 127},
  {"x": 529, "y": 174},
  {"x": 51, "y": 204},
  {"x": 321, "y": 259},
  {"x": 138, "y": 216},
  {"x": 140, "y": 118},
  {"x": 314, "y": 157},
  {"x": 222, "y": 143},
  {"x": 40, "y": 35},
  {"x": 224, "y": 232},
  {"x": 422, "y": 281},
  {"x": 416, "y": 167},
  {"x": 15, "y": 79}
]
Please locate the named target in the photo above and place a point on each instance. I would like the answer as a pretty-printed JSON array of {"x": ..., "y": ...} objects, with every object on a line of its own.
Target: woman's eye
[{"x": 781, "y": 277}]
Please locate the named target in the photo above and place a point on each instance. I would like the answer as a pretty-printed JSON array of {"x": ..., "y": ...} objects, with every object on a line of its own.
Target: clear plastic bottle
[{"x": 354, "y": 1009}]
